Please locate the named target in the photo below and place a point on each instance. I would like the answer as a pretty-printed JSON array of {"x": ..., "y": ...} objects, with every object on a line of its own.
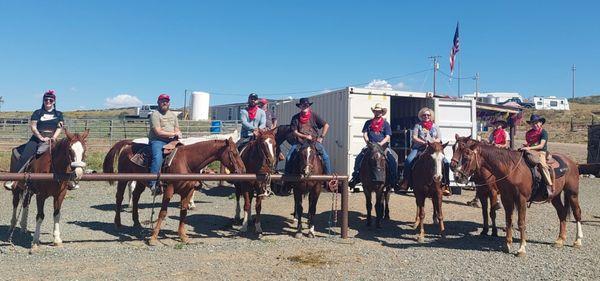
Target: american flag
[{"x": 454, "y": 49}]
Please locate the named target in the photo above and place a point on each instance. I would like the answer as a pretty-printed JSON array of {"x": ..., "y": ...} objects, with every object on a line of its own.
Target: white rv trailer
[
  {"x": 551, "y": 102},
  {"x": 347, "y": 109},
  {"x": 500, "y": 97}
]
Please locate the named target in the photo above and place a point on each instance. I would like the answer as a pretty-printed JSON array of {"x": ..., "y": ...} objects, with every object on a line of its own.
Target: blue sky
[{"x": 91, "y": 51}]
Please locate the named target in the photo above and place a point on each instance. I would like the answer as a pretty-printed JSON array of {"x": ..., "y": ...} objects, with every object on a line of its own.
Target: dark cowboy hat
[
  {"x": 535, "y": 118},
  {"x": 304, "y": 101},
  {"x": 253, "y": 96},
  {"x": 502, "y": 123}
]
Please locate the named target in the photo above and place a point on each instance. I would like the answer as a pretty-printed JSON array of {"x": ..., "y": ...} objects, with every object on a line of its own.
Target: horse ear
[
  {"x": 68, "y": 134},
  {"x": 85, "y": 134},
  {"x": 446, "y": 144},
  {"x": 469, "y": 137},
  {"x": 456, "y": 136}
]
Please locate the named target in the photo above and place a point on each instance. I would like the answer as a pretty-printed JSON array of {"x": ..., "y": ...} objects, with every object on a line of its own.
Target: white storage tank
[{"x": 200, "y": 105}]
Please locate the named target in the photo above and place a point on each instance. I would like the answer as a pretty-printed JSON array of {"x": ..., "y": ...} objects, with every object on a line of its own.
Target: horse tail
[
  {"x": 108, "y": 166},
  {"x": 567, "y": 205}
]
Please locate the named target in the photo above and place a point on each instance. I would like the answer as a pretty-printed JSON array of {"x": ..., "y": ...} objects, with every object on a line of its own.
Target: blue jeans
[
  {"x": 320, "y": 149},
  {"x": 390, "y": 156},
  {"x": 411, "y": 157},
  {"x": 157, "y": 158}
]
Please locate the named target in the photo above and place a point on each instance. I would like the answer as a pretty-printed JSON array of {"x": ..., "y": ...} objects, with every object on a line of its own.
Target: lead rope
[{"x": 333, "y": 215}]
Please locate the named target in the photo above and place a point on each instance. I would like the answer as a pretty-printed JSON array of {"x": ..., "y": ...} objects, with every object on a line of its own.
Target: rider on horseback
[
  {"x": 425, "y": 131},
  {"x": 164, "y": 127},
  {"x": 305, "y": 126},
  {"x": 537, "y": 143},
  {"x": 253, "y": 118},
  {"x": 499, "y": 137},
  {"x": 271, "y": 119},
  {"x": 377, "y": 130},
  {"x": 46, "y": 125}
]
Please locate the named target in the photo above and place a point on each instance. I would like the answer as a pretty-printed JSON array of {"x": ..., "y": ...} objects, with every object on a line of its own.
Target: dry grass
[{"x": 311, "y": 259}]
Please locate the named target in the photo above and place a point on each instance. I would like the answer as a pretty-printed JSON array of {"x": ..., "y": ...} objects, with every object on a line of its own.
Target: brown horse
[
  {"x": 427, "y": 182},
  {"x": 485, "y": 183},
  {"x": 64, "y": 157},
  {"x": 515, "y": 182},
  {"x": 373, "y": 175},
  {"x": 306, "y": 162},
  {"x": 259, "y": 158},
  {"x": 189, "y": 159}
]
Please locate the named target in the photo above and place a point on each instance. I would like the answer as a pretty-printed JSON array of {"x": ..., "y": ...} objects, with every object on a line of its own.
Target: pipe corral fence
[{"x": 192, "y": 177}]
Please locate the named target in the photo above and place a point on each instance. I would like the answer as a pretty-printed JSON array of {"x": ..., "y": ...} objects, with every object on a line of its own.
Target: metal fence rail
[{"x": 191, "y": 177}]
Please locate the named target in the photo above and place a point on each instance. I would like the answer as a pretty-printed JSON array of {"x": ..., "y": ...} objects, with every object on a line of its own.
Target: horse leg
[
  {"x": 494, "y": 207},
  {"x": 417, "y": 220},
  {"x": 493, "y": 219},
  {"x": 484, "y": 211},
  {"x": 192, "y": 203},
  {"x": 18, "y": 196},
  {"x": 237, "y": 217},
  {"x": 421, "y": 210},
  {"x": 386, "y": 214},
  {"x": 522, "y": 209},
  {"x": 258, "y": 208},
  {"x": 378, "y": 207},
  {"x": 437, "y": 206},
  {"x": 313, "y": 198},
  {"x": 367, "y": 192},
  {"x": 298, "y": 211},
  {"x": 247, "y": 211},
  {"x": 161, "y": 215},
  {"x": 130, "y": 187},
  {"x": 576, "y": 209},
  {"x": 121, "y": 186},
  {"x": 40, "y": 199},
  {"x": 561, "y": 211},
  {"x": 137, "y": 193},
  {"x": 509, "y": 207},
  {"x": 185, "y": 204},
  {"x": 57, "y": 204}
]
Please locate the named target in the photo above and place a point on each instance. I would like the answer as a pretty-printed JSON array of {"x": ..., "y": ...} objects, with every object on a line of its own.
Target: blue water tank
[{"x": 215, "y": 126}]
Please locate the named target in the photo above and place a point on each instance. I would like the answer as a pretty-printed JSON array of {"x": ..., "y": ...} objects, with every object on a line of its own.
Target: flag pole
[{"x": 458, "y": 64}]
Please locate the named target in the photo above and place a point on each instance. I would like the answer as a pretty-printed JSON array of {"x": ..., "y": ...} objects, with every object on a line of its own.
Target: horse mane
[{"x": 499, "y": 154}]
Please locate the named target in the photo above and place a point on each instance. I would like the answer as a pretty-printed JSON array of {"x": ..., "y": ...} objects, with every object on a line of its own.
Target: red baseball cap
[
  {"x": 164, "y": 97},
  {"x": 263, "y": 101}
]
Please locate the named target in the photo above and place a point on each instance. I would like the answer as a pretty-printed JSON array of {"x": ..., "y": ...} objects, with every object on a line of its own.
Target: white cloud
[
  {"x": 380, "y": 84},
  {"x": 73, "y": 89},
  {"x": 122, "y": 100}
]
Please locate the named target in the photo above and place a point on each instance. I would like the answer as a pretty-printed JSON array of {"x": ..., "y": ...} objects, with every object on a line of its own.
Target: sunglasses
[
  {"x": 164, "y": 101},
  {"x": 50, "y": 100},
  {"x": 425, "y": 114}
]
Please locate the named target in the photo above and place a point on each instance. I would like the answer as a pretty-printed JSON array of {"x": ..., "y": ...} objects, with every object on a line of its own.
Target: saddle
[
  {"x": 17, "y": 151},
  {"x": 142, "y": 153},
  {"x": 557, "y": 168}
]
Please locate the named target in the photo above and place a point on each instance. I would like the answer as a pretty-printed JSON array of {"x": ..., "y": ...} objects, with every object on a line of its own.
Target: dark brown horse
[
  {"x": 485, "y": 184},
  {"x": 306, "y": 162},
  {"x": 259, "y": 158},
  {"x": 188, "y": 159},
  {"x": 64, "y": 157},
  {"x": 515, "y": 182},
  {"x": 373, "y": 175},
  {"x": 427, "y": 182}
]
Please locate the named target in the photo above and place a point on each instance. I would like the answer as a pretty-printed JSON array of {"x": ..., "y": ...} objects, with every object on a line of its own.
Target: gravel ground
[{"x": 94, "y": 249}]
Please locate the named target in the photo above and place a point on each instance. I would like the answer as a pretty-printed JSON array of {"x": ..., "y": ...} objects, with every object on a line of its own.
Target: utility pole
[
  {"x": 435, "y": 68},
  {"x": 1, "y": 102},
  {"x": 476, "y": 85},
  {"x": 573, "y": 86},
  {"x": 185, "y": 104}
]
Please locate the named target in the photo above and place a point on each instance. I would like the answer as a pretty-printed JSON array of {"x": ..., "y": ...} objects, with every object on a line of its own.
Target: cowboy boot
[{"x": 9, "y": 185}]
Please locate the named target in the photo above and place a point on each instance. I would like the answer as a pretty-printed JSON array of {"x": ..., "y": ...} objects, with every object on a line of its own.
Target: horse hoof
[
  {"x": 558, "y": 244},
  {"x": 184, "y": 239},
  {"x": 521, "y": 254},
  {"x": 483, "y": 234},
  {"x": 192, "y": 208},
  {"x": 298, "y": 235},
  {"x": 506, "y": 249},
  {"x": 420, "y": 239},
  {"x": 415, "y": 226},
  {"x": 34, "y": 248},
  {"x": 577, "y": 244},
  {"x": 153, "y": 242},
  {"x": 57, "y": 244}
]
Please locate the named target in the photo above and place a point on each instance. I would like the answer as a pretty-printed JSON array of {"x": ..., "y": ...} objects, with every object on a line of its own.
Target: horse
[
  {"x": 515, "y": 183},
  {"x": 194, "y": 156},
  {"x": 485, "y": 183},
  {"x": 306, "y": 162},
  {"x": 64, "y": 157},
  {"x": 427, "y": 183},
  {"x": 373, "y": 175},
  {"x": 259, "y": 158}
]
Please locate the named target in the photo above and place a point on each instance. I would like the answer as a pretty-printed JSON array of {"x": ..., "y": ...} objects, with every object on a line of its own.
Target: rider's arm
[
  {"x": 34, "y": 130},
  {"x": 157, "y": 129},
  {"x": 387, "y": 131},
  {"x": 301, "y": 135},
  {"x": 325, "y": 129},
  {"x": 415, "y": 135},
  {"x": 246, "y": 125}
]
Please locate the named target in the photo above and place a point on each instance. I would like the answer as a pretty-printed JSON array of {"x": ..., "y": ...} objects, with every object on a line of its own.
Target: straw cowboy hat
[
  {"x": 535, "y": 118},
  {"x": 502, "y": 123},
  {"x": 379, "y": 107}
]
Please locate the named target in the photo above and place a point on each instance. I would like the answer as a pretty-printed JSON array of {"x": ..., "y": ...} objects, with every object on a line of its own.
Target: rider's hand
[
  {"x": 320, "y": 139},
  {"x": 53, "y": 139},
  {"x": 255, "y": 132},
  {"x": 309, "y": 137},
  {"x": 45, "y": 139},
  {"x": 179, "y": 135}
]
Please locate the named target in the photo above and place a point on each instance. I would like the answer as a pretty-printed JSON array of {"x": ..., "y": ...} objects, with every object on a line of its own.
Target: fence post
[
  {"x": 124, "y": 130},
  {"x": 85, "y": 125},
  {"x": 572, "y": 128},
  {"x": 110, "y": 131}
]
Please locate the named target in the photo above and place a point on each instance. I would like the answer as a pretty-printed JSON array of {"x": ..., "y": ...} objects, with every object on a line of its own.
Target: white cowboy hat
[{"x": 379, "y": 107}]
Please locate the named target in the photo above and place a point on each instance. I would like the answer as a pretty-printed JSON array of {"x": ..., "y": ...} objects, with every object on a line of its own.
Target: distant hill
[{"x": 586, "y": 100}]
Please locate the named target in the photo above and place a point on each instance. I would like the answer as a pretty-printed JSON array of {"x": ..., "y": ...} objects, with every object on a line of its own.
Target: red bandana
[
  {"x": 533, "y": 136},
  {"x": 499, "y": 136},
  {"x": 304, "y": 116},
  {"x": 427, "y": 125},
  {"x": 252, "y": 111},
  {"x": 377, "y": 124}
]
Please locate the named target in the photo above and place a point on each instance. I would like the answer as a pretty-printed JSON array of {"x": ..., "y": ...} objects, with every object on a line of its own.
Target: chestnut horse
[
  {"x": 64, "y": 157},
  {"x": 259, "y": 158},
  {"x": 306, "y": 162},
  {"x": 188, "y": 159},
  {"x": 373, "y": 175},
  {"x": 515, "y": 182},
  {"x": 485, "y": 184},
  {"x": 426, "y": 178}
]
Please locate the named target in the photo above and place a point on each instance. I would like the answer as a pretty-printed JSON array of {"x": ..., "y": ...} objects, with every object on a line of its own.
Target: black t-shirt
[
  {"x": 309, "y": 128},
  {"x": 47, "y": 120}
]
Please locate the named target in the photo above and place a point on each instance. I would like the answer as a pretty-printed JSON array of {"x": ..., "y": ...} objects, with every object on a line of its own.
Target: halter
[{"x": 497, "y": 180}]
